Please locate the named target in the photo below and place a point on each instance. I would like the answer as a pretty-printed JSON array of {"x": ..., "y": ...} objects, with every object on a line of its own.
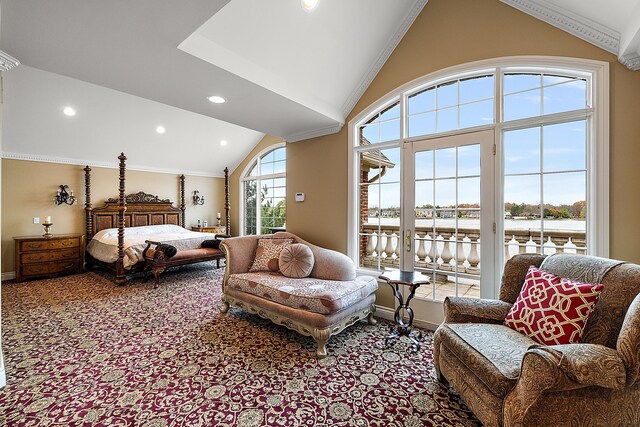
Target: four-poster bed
[{"x": 146, "y": 217}]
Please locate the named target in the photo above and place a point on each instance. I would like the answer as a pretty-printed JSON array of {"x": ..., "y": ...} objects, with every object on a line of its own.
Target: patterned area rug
[{"x": 81, "y": 351}]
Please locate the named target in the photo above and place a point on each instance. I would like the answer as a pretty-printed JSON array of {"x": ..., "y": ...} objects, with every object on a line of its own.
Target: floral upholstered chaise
[{"x": 320, "y": 305}]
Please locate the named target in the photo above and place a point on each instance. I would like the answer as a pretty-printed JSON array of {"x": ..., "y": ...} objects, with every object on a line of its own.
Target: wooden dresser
[
  {"x": 216, "y": 229},
  {"x": 39, "y": 256}
]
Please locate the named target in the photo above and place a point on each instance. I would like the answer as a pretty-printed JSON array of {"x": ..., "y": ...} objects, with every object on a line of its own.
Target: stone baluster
[
  {"x": 421, "y": 251},
  {"x": 389, "y": 249},
  {"x": 522, "y": 240},
  {"x": 370, "y": 247},
  {"x": 398, "y": 249},
  {"x": 433, "y": 251},
  {"x": 379, "y": 246},
  {"x": 460, "y": 258},
  {"x": 474, "y": 257},
  {"x": 507, "y": 245},
  {"x": 446, "y": 254}
]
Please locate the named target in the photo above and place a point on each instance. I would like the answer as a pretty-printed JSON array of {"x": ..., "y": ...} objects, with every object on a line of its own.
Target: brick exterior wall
[{"x": 364, "y": 212}]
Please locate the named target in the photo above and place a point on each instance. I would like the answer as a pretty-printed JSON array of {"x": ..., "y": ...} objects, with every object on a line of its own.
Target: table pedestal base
[{"x": 398, "y": 331}]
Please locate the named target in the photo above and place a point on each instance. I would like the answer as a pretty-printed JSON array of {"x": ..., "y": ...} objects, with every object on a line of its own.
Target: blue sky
[{"x": 533, "y": 157}]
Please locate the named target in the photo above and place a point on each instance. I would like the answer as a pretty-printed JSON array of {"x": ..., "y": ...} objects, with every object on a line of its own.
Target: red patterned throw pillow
[
  {"x": 552, "y": 310},
  {"x": 268, "y": 254}
]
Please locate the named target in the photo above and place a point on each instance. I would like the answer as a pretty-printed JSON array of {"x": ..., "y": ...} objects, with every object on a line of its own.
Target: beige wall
[
  {"x": 448, "y": 33},
  {"x": 234, "y": 180},
  {"x": 28, "y": 189}
]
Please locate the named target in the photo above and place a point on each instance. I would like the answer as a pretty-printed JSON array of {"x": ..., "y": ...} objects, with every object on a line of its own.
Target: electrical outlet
[{"x": 36, "y": 220}]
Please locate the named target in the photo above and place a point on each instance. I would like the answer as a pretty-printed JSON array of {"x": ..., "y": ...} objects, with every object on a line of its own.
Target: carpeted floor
[{"x": 81, "y": 351}]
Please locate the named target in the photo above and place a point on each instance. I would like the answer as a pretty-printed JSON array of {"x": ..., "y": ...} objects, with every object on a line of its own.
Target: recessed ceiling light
[
  {"x": 69, "y": 111},
  {"x": 309, "y": 5},
  {"x": 217, "y": 99},
  {"x": 223, "y": 142},
  {"x": 161, "y": 129}
]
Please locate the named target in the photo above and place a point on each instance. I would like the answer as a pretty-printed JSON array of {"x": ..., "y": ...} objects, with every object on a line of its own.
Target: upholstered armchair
[{"x": 507, "y": 379}]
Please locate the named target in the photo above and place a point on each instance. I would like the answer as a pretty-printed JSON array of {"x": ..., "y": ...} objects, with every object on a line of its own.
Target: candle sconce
[
  {"x": 197, "y": 199},
  {"x": 64, "y": 197}
]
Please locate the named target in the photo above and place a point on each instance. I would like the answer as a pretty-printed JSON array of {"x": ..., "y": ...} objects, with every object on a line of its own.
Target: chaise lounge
[{"x": 324, "y": 303}]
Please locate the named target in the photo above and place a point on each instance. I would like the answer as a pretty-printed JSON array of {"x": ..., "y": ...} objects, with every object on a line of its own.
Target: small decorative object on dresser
[
  {"x": 47, "y": 227},
  {"x": 51, "y": 256},
  {"x": 214, "y": 229}
]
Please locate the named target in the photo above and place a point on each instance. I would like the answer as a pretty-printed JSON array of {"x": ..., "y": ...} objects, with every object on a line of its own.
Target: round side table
[{"x": 413, "y": 280}]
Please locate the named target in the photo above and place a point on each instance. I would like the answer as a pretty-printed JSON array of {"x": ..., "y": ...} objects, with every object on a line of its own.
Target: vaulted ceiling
[{"x": 130, "y": 66}]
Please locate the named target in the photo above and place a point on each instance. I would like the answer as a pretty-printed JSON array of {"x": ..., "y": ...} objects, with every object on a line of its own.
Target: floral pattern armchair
[{"x": 507, "y": 379}]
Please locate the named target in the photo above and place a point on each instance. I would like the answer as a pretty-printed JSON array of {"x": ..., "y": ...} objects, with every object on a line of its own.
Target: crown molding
[
  {"x": 7, "y": 61},
  {"x": 101, "y": 164},
  {"x": 355, "y": 96},
  {"x": 631, "y": 61},
  {"x": 314, "y": 133},
  {"x": 579, "y": 26}
]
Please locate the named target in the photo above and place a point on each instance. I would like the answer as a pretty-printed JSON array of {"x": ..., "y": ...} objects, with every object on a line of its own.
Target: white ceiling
[
  {"x": 284, "y": 72},
  {"x": 132, "y": 47},
  {"x": 318, "y": 59},
  {"x": 108, "y": 122}
]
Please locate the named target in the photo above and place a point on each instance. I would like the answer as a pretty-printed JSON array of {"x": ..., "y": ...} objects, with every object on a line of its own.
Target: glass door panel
[{"x": 449, "y": 215}]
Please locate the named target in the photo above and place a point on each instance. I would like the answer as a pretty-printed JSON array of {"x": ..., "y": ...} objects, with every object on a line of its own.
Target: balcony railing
[{"x": 440, "y": 249}]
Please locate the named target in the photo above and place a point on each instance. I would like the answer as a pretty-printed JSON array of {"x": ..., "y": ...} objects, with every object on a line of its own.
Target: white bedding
[{"x": 104, "y": 244}]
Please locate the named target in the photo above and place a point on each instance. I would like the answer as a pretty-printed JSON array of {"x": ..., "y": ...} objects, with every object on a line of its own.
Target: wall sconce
[
  {"x": 197, "y": 200},
  {"x": 64, "y": 197}
]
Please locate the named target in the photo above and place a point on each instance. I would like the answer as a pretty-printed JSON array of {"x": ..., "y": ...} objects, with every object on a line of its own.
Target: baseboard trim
[
  {"x": 3, "y": 378},
  {"x": 8, "y": 276},
  {"x": 384, "y": 312},
  {"x": 388, "y": 314}
]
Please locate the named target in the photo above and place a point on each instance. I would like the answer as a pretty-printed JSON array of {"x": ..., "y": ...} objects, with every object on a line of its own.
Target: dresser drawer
[
  {"x": 42, "y": 245},
  {"x": 61, "y": 254},
  {"x": 65, "y": 243},
  {"x": 51, "y": 267}
]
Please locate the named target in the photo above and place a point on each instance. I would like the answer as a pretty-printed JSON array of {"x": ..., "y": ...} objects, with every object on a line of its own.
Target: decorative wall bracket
[
  {"x": 197, "y": 199},
  {"x": 64, "y": 197}
]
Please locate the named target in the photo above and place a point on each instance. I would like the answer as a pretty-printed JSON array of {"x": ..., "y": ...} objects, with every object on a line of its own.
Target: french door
[{"x": 448, "y": 218}]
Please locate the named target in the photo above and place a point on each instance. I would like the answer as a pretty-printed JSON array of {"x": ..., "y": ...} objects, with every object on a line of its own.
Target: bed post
[
  {"x": 183, "y": 207},
  {"x": 227, "y": 219},
  {"x": 122, "y": 207},
  {"x": 87, "y": 203}
]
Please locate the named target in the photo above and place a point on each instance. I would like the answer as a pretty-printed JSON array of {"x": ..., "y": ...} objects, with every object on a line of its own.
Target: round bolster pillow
[{"x": 296, "y": 261}]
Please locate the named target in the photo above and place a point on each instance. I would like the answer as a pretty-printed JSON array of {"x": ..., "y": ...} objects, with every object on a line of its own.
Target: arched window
[
  {"x": 263, "y": 192},
  {"x": 456, "y": 172}
]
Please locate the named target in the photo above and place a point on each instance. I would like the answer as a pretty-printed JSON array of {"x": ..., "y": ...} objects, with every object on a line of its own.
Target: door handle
[{"x": 407, "y": 240}]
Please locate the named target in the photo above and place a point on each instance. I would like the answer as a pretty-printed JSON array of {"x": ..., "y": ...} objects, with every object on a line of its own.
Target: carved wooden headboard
[{"x": 141, "y": 209}]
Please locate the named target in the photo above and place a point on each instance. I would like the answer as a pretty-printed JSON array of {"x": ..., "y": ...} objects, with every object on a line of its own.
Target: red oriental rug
[{"x": 81, "y": 351}]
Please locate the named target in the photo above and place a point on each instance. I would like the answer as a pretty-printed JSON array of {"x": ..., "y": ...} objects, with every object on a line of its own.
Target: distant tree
[
  {"x": 271, "y": 216},
  {"x": 517, "y": 209},
  {"x": 250, "y": 206},
  {"x": 579, "y": 209}
]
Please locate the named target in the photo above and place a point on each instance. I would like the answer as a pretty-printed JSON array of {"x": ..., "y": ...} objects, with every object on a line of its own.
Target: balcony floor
[{"x": 446, "y": 289}]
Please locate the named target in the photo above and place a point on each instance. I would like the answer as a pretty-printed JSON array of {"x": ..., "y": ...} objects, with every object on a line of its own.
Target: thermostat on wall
[{"x": 299, "y": 197}]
